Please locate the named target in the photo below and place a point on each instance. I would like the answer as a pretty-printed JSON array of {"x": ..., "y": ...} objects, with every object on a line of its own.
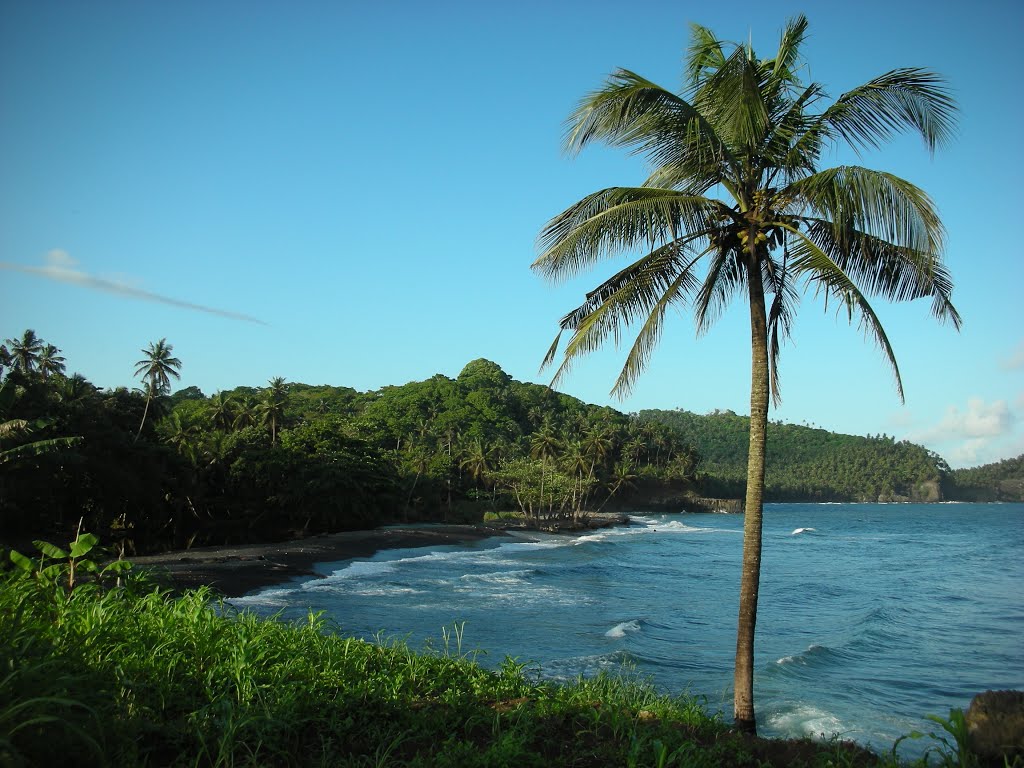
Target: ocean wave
[
  {"x": 502, "y": 578},
  {"x": 624, "y": 628},
  {"x": 587, "y": 666}
]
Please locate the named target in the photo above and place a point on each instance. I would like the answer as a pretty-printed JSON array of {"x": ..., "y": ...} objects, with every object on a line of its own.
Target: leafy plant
[
  {"x": 954, "y": 751},
  {"x": 67, "y": 563}
]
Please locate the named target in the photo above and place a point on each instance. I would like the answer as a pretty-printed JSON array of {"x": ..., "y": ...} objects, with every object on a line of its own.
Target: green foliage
[
  {"x": 293, "y": 459},
  {"x": 953, "y": 748},
  {"x": 1001, "y": 481},
  {"x": 806, "y": 463},
  {"x": 116, "y": 677},
  {"x": 69, "y": 565}
]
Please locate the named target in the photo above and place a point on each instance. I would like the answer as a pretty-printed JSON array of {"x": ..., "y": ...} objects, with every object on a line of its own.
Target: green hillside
[
  {"x": 1001, "y": 481},
  {"x": 805, "y": 463}
]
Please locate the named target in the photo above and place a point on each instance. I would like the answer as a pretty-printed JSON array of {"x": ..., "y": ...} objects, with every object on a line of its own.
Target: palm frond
[
  {"x": 631, "y": 111},
  {"x": 37, "y": 448},
  {"x": 724, "y": 280},
  {"x": 648, "y": 337},
  {"x": 904, "y": 99},
  {"x": 820, "y": 269},
  {"x": 895, "y": 273},
  {"x": 880, "y": 204},
  {"x": 789, "y": 48},
  {"x": 703, "y": 55},
  {"x": 781, "y": 317},
  {"x": 661, "y": 277},
  {"x": 791, "y": 147},
  {"x": 614, "y": 220},
  {"x": 732, "y": 99}
]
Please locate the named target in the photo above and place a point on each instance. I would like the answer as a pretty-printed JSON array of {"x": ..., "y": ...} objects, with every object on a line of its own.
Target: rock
[{"x": 995, "y": 726}]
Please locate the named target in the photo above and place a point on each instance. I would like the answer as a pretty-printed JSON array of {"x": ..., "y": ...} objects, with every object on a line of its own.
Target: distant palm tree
[
  {"x": 478, "y": 461},
  {"x": 24, "y": 352},
  {"x": 272, "y": 408},
  {"x": 222, "y": 411},
  {"x": 182, "y": 434},
  {"x": 50, "y": 361},
  {"x": 156, "y": 370},
  {"x": 5, "y": 359},
  {"x": 246, "y": 412},
  {"x": 737, "y": 206},
  {"x": 544, "y": 445},
  {"x": 75, "y": 389}
]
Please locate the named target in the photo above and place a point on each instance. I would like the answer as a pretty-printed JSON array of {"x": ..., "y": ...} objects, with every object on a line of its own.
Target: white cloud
[
  {"x": 978, "y": 434},
  {"x": 1015, "y": 360},
  {"x": 979, "y": 419},
  {"x": 966, "y": 454},
  {"x": 60, "y": 266}
]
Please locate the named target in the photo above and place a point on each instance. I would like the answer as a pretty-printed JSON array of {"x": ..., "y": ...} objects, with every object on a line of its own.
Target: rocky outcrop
[
  {"x": 694, "y": 503},
  {"x": 650, "y": 495},
  {"x": 995, "y": 727}
]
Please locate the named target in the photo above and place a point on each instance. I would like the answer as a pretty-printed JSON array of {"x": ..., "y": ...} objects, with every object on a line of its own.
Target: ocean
[{"x": 871, "y": 616}]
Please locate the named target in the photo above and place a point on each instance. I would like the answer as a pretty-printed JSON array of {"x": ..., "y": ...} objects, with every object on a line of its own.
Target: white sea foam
[
  {"x": 502, "y": 578},
  {"x": 621, "y": 630},
  {"x": 362, "y": 569},
  {"x": 384, "y": 590},
  {"x": 803, "y": 530},
  {"x": 807, "y": 720}
]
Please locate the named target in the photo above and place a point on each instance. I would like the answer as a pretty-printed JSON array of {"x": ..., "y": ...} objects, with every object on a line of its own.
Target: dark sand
[{"x": 236, "y": 570}]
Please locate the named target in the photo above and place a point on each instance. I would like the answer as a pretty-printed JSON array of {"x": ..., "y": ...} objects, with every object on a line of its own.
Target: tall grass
[{"x": 133, "y": 676}]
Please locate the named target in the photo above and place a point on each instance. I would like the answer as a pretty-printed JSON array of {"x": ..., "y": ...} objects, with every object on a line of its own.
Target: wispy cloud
[
  {"x": 60, "y": 266},
  {"x": 1015, "y": 360}
]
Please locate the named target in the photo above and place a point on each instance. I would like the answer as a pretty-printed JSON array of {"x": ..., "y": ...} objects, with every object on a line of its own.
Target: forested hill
[
  {"x": 808, "y": 464},
  {"x": 151, "y": 470},
  {"x": 1001, "y": 481}
]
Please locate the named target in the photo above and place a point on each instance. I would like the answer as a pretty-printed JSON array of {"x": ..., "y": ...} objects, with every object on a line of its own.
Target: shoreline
[{"x": 237, "y": 570}]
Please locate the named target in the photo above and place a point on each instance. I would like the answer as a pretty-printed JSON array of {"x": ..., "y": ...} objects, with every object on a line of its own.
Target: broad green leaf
[
  {"x": 52, "y": 572},
  {"x": 83, "y": 544},
  {"x": 24, "y": 563},
  {"x": 50, "y": 550}
]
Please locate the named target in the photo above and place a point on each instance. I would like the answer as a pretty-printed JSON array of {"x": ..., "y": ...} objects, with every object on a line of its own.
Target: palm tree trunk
[
  {"x": 743, "y": 682},
  {"x": 143, "y": 422}
]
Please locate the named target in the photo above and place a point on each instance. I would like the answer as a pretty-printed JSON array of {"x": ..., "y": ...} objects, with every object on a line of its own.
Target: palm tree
[
  {"x": 5, "y": 358},
  {"x": 156, "y": 370},
  {"x": 597, "y": 446},
  {"x": 272, "y": 407},
  {"x": 544, "y": 445},
  {"x": 246, "y": 412},
  {"x": 50, "y": 361},
  {"x": 737, "y": 205},
  {"x": 182, "y": 434},
  {"x": 24, "y": 352},
  {"x": 222, "y": 411}
]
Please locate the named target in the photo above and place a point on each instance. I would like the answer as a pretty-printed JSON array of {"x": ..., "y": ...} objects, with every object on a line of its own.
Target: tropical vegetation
[
  {"x": 737, "y": 205},
  {"x": 104, "y": 669},
  {"x": 215, "y": 469}
]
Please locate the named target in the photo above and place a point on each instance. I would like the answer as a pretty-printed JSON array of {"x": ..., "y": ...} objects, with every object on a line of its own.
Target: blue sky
[{"x": 350, "y": 194}]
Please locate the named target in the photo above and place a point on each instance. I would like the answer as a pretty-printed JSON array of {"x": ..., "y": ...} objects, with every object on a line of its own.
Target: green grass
[{"x": 134, "y": 676}]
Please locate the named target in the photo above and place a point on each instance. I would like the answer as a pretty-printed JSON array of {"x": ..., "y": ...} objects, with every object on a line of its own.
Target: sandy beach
[{"x": 237, "y": 570}]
